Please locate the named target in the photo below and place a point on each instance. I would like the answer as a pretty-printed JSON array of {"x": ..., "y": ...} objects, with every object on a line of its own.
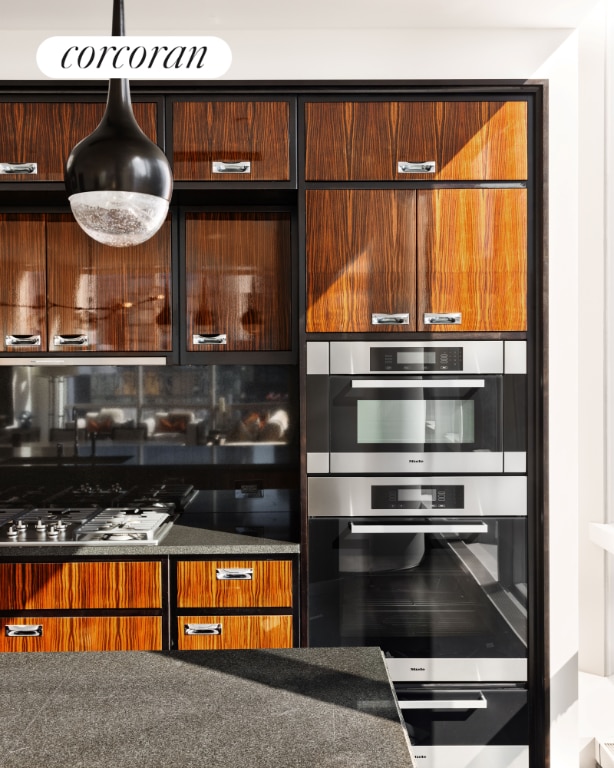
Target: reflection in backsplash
[{"x": 148, "y": 413}]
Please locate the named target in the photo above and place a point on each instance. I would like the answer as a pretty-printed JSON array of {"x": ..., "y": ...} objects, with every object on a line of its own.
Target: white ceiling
[{"x": 202, "y": 17}]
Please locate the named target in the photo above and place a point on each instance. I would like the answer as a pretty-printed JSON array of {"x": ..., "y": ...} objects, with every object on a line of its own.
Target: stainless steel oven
[{"x": 448, "y": 406}]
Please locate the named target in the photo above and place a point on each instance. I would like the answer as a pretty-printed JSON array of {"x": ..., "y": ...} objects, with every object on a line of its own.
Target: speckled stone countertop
[{"x": 294, "y": 708}]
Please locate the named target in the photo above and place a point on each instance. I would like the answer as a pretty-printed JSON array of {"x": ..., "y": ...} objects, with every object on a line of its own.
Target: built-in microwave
[{"x": 410, "y": 406}]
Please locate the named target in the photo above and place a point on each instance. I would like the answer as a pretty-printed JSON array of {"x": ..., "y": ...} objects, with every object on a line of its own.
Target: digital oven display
[
  {"x": 416, "y": 359},
  {"x": 417, "y": 497}
]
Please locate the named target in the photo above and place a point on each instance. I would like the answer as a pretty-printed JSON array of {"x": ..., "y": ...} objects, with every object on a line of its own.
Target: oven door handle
[
  {"x": 417, "y": 384},
  {"x": 480, "y": 703},
  {"x": 420, "y": 528}
]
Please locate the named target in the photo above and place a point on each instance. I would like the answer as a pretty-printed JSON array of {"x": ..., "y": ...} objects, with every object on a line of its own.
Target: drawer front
[
  {"x": 210, "y": 633},
  {"x": 218, "y": 584},
  {"x": 71, "y": 586},
  {"x": 81, "y": 633}
]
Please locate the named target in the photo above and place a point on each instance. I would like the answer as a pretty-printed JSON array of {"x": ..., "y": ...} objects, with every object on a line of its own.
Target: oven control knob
[
  {"x": 20, "y": 525},
  {"x": 52, "y": 530},
  {"x": 40, "y": 526},
  {"x": 11, "y": 531},
  {"x": 60, "y": 525}
]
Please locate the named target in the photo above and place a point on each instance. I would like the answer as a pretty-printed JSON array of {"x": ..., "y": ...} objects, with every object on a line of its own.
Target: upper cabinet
[
  {"x": 232, "y": 141},
  {"x": 415, "y": 140},
  {"x": 37, "y": 136}
]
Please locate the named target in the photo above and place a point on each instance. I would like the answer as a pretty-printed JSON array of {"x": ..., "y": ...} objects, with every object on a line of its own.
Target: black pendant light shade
[{"x": 119, "y": 183}]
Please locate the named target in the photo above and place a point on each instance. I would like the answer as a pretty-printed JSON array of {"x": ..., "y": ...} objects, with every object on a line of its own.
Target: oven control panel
[
  {"x": 417, "y": 497},
  {"x": 416, "y": 358}
]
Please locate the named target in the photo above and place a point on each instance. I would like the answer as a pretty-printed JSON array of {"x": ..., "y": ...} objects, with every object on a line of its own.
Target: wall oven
[{"x": 441, "y": 406}]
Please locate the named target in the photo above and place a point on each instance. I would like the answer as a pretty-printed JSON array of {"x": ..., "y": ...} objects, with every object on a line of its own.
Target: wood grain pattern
[
  {"x": 237, "y": 632},
  {"x": 473, "y": 140},
  {"x": 23, "y": 282},
  {"x": 80, "y": 585},
  {"x": 238, "y": 280},
  {"x": 270, "y": 587},
  {"x": 361, "y": 256},
  {"x": 231, "y": 131},
  {"x": 472, "y": 257},
  {"x": 46, "y": 132},
  {"x": 119, "y": 297},
  {"x": 90, "y": 633}
]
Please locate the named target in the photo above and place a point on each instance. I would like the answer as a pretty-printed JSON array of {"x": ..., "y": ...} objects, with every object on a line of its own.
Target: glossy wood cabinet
[
  {"x": 43, "y": 133},
  {"x": 215, "y": 632},
  {"x": 407, "y": 260},
  {"x": 230, "y": 141},
  {"x": 391, "y": 140},
  {"x": 238, "y": 273}
]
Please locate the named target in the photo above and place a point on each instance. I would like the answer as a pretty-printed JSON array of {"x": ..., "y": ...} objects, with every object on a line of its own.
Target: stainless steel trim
[
  {"x": 443, "y": 318},
  {"x": 29, "y": 168},
  {"x": 514, "y": 461},
  {"x": 396, "y": 318},
  {"x": 427, "y": 166},
  {"x": 23, "y": 630},
  {"x": 234, "y": 574},
  {"x": 202, "y": 629},
  {"x": 436, "y": 461},
  {"x": 479, "y": 703},
  {"x": 242, "y": 166},
  {"x": 318, "y": 463},
  {"x": 83, "y": 360},
  {"x": 317, "y": 357},
  {"x": 417, "y": 383},
  {"x": 471, "y": 756},
  {"x": 415, "y": 528},
  {"x": 515, "y": 357},
  {"x": 22, "y": 340},
  {"x": 209, "y": 338},
  {"x": 70, "y": 340},
  {"x": 461, "y": 670}
]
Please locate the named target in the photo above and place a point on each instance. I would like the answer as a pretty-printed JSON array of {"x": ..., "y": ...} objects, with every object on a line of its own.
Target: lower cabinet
[{"x": 210, "y": 633}]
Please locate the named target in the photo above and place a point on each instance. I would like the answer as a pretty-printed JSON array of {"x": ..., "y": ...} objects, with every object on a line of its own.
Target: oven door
[
  {"x": 427, "y": 423},
  {"x": 444, "y": 598}
]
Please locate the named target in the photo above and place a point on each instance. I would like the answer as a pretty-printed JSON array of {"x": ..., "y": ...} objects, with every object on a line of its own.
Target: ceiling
[{"x": 200, "y": 17}]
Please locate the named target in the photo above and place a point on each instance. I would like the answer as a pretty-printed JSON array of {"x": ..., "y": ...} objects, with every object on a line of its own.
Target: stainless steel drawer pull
[
  {"x": 429, "y": 166},
  {"x": 476, "y": 703},
  {"x": 202, "y": 629},
  {"x": 209, "y": 338},
  {"x": 23, "y": 630},
  {"x": 419, "y": 528},
  {"x": 243, "y": 166},
  {"x": 234, "y": 574},
  {"x": 22, "y": 340},
  {"x": 400, "y": 318},
  {"x": 417, "y": 383},
  {"x": 29, "y": 168},
  {"x": 70, "y": 340},
  {"x": 445, "y": 318}
]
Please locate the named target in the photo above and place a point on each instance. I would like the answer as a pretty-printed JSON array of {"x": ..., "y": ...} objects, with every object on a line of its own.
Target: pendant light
[{"x": 119, "y": 183}]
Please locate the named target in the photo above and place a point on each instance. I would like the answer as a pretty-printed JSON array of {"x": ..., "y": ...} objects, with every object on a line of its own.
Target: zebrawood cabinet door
[
  {"x": 361, "y": 260},
  {"x": 45, "y": 132},
  {"x": 472, "y": 258},
  {"x": 366, "y": 141},
  {"x": 230, "y": 141},
  {"x": 102, "y": 298},
  {"x": 212, "y": 632},
  {"x": 238, "y": 281},
  {"x": 23, "y": 283}
]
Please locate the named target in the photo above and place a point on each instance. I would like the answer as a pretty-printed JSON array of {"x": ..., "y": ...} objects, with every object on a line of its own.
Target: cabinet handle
[
  {"x": 202, "y": 629},
  {"x": 428, "y": 166},
  {"x": 418, "y": 383},
  {"x": 419, "y": 528},
  {"x": 70, "y": 340},
  {"x": 209, "y": 338},
  {"x": 475, "y": 703},
  {"x": 19, "y": 168},
  {"x": 445, "y": 318},
  {"x": 400, "y": 318},
  {"x": 234, "y": 574},
  {"x": 23, "y": 630},
  {"x": 19, "y": 340},
  {"x": 243, "y": 166}
]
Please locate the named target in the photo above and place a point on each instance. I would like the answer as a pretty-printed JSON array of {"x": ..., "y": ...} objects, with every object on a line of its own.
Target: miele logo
[
  {"x": 418, "y": 669},
  {"x": 416, "y": 461},
  {"x": 419, "y": 757}
]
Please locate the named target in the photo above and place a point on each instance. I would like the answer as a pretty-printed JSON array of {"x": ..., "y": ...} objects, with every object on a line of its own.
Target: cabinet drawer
[
  {"x": 66, "y": 586},
  {"x": 210, "y": 633},
  {"x": 45, "y": 132},
  {"x": 81, "y": 633},
  {"x": 250, "y": 139},
  {"x": 368, "y": 140},
  {"x": 216, "y": 583}
]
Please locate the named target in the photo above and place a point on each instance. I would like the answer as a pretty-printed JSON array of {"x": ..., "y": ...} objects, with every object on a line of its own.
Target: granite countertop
[{"x": 291, "y": 708}]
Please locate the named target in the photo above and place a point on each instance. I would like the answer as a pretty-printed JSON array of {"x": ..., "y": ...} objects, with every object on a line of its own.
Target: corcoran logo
[{"x": 134, "y": 57}]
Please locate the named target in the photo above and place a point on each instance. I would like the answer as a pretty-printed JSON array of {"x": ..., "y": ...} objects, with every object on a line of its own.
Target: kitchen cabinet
[
  {"x": 74, "y": 606},
  {"x": 231, "y": 141},
  {"x": 238, "y": 281},
  {"x": 224, "y": 604},
  {"x": 415, "y": 140},
  {"x": 38, "y": 136},
  {"x": 399, "y": 260}
]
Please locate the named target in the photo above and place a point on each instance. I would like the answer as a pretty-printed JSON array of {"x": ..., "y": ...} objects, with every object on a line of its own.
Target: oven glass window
[{"x": 415, "y": 421}]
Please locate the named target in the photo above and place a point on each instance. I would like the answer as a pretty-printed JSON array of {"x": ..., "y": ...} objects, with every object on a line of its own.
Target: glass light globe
[{"x": 119, "y": 218}]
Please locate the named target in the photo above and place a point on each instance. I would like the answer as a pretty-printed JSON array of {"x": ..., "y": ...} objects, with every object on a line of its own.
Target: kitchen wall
[{"x": 574, "y": 62}]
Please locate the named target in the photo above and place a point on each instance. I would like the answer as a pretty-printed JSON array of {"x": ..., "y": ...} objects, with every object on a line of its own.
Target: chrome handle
[
  {"x": 429, "y": 166},
  {"x": 70, "y": 340},
  {"x": 400, "y": 318},
  {"x": 202, "y": 629},
  {"x": 243, "y": 166},
  {"x": 234, "y": 574},
  {"x": 444, "y": 318},
  {"x": 209, "y": 338},
  {"x": 478, "y": 703},
  {"x": 417, "y": 383},
  {"x": 22, "y": 340},
  {"x": 420, "y": 528},
  {"x": 23, "y": 630},
  {"x": 29, "y": 168}
]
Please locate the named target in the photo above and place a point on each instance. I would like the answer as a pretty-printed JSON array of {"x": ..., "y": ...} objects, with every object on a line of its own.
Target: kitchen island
[{"x": 291, "y": 708}]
